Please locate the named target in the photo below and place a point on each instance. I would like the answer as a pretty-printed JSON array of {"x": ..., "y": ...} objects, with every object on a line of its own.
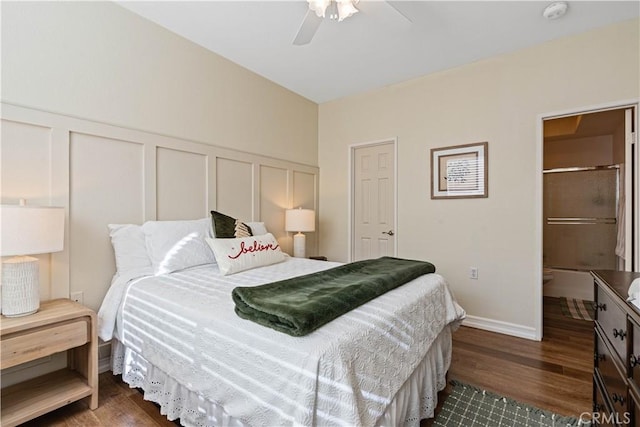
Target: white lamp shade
[
  {"x": 300, "y": 220},
  {"x": 28, "y": 230}
]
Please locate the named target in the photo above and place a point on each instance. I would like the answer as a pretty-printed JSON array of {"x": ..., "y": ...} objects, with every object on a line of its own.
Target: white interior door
[{"x": 373, "y": 201}]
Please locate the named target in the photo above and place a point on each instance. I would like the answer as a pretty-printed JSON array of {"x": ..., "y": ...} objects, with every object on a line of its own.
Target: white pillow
[
  {"x": 176, "y": 245},
  {"x": 257, "y": 228},
  {"x": 235, "y": 255},
  {"x": 129, "y": 247}
]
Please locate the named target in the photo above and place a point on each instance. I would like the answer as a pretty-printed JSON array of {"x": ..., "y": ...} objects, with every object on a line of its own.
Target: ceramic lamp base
[
  {"x": 20, "y": 286},
  {"x": 299, "y": 245}
]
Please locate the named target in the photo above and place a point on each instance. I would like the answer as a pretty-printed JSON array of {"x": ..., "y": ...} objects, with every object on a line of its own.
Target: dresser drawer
[
  {"x": 601, "y": 408},
  {"x": 613, "y": 381},
  {"x": 616, "y": 378},
  {"x": 19, "y": 348},
  {"x": 613, "y": 321},
  {"x": 634, "y": 357}
]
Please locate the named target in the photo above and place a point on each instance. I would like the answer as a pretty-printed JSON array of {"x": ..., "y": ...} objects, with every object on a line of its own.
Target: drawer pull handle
[
  {"x": 634, "y": 360},
  {"x": 597, "y": 407},
  {"x": 619, "y": 333},
  {"x": 598, "y": 357},
  {"x": 601, "y": 306},
  {"x": 618, "y": 399}
]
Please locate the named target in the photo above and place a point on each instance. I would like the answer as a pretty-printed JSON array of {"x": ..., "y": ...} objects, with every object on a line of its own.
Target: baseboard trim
[{"x": 501, "y": 327}]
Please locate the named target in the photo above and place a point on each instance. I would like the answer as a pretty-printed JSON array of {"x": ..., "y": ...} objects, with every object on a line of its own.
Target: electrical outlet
[
  {"x": 77, "y": 297},
  {"x": 473, "y": 273}
]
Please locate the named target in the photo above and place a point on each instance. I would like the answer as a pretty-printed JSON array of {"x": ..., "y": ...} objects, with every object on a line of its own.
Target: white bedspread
[{"x": 345, "y": 373}]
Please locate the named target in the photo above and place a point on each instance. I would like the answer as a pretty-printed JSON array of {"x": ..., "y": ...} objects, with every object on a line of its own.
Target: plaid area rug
[
  {"x": 469, "y": 406},
  {"x": 577, "y": 308}
]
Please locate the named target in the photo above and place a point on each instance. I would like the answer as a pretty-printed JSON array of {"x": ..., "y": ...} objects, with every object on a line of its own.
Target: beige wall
[
  {"x": 499, "y": 100},
  {"x": 97, "y": 60}
]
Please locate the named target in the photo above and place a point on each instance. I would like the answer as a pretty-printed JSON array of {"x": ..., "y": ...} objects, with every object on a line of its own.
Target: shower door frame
[
  {"x": 581, "y": 221},
  {"x": 632, "y": 177}
]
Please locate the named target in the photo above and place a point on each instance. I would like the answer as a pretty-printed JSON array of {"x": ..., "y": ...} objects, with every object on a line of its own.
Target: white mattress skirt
[{"x": 416, "y": 400}]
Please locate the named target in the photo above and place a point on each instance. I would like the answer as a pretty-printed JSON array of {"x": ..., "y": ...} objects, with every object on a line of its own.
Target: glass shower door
[{"x": 580, "y": 219}]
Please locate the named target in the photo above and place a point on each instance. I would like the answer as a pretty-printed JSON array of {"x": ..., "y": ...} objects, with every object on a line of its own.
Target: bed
[{"x": 176, "y": 336}]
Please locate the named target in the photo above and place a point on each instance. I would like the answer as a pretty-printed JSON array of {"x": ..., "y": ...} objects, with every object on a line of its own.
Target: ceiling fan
[{"x": 336, "y": 9}]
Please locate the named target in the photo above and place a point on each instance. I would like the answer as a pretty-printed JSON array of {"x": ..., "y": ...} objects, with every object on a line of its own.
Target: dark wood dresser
[{"x": 616, "y": 373}]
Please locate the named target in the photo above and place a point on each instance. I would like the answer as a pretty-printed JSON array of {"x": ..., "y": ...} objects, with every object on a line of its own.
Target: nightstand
[{"x": 60, "y": 325}]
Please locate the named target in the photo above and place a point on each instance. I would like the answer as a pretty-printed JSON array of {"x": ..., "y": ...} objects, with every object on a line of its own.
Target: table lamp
[
  {"x": 299, "y": 220},
  {"x": 26, "y": 230}
]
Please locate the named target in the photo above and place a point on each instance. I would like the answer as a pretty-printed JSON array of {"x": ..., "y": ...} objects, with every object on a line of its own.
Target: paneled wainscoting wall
[{"x": 103, "y": 174}]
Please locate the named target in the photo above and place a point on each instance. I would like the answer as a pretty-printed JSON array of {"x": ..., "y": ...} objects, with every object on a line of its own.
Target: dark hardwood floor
[{"x": 554, "y": 374}]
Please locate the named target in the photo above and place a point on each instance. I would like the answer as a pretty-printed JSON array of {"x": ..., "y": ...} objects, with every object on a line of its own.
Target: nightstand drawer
[
  {"x": 20, "y": 348},
  {"x": 60, "y": 325}
]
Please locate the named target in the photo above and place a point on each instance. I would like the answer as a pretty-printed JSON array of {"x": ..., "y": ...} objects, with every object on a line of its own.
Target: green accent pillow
[{"x": 226, "y": 227}]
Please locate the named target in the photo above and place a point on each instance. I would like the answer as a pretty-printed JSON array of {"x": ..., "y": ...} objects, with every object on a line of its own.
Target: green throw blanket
[{"x": 299, "y": 305}]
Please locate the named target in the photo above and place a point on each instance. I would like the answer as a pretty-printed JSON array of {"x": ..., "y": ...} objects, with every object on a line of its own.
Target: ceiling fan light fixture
[
  {"x": 339, "y": 9},
  {"x": 346, "y": 8},
  {"x": 319, "y": 6}
]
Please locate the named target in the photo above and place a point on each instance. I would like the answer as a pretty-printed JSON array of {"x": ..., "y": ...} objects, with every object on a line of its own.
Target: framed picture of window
[{"x": 460, "y": 171}]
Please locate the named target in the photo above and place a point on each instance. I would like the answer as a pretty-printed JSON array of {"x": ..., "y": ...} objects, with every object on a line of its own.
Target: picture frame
[{"x": 460, "y": 171}]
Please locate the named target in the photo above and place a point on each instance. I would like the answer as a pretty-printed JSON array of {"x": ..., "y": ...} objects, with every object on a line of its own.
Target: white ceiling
[{"x": 375, "y": 47}]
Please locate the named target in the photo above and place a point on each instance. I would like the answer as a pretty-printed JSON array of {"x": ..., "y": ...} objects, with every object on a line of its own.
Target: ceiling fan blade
[
  {"x": 308, "y": 28},
  {"x": 395, "y": 5}
]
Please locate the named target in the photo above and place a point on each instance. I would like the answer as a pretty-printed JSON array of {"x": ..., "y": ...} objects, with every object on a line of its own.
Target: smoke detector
[{"x": 555, "y": 10}]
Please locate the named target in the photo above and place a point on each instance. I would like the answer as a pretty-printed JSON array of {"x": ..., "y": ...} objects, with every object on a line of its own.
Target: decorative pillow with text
[{"x": 235, "y": 255}]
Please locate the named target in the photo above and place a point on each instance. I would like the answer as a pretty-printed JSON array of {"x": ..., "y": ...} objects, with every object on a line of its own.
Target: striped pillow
[{"x": 226, "y": 227}]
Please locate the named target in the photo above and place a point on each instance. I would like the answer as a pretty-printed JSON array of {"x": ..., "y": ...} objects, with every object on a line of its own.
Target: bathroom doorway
[{"x": 587, "y": 203}]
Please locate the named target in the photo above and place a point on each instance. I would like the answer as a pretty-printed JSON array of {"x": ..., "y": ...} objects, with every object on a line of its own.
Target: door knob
[{"x": 390, "y": 232}]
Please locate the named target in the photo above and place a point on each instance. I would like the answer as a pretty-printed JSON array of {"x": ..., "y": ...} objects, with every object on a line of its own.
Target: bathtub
[{"x": 570, "y": 284}]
